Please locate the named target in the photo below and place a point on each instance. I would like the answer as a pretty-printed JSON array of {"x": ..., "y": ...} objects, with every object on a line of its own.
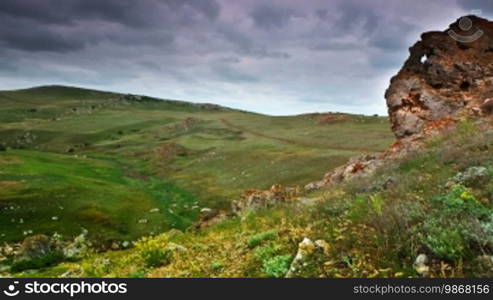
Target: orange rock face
[{"x": 443, "y": 80}]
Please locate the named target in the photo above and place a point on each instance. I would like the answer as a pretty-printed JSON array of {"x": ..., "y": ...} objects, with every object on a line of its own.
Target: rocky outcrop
[
  {"x": 252, "y": 200},
  {"x": 445, "y": 78},
  {"x": 356, "y": 167},
  {"x": 209, "y": 217}
]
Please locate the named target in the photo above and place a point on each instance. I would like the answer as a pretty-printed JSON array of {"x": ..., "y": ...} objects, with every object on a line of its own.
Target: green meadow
[{"x": 125, "y": 166}]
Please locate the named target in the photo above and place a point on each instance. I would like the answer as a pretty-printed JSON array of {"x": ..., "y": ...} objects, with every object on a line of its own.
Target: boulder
[
  {"x": 252, "y": 200},
  {"x": 36, "y": 246}
]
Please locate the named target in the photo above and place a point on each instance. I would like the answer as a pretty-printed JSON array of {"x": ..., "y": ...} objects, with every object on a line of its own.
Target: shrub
[
  {"x": 459, "y": 196},
  {"x": 216, "y": 266},
  {"x": 444, "y": 240},
  {"x": 487, "y": 231},
  {"x": 277, "y": 266},
  {"x": 472, "y": 175},
  {"x": 359, "y": 208},
  {"x": 461, "y": 200},
  {"x": 266, "y": 252},
  {"x": 376, "y": 202},
  {"x": 363, "y": 205},
  {"x": 50, "y": 259},
  {"x": 153, "y": 251},
  {"x": 257, "y": 239}
]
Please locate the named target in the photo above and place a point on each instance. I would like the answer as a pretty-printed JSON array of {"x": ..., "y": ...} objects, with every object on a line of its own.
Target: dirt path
[{"x": 299, "y": 143}]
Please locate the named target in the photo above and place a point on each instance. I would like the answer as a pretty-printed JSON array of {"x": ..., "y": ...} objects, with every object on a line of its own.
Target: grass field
[{"x": 79, "y": 158}]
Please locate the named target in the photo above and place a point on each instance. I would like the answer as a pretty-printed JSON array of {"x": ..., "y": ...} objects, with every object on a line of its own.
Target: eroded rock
[
  {"x": 442, "y": 78},
  {"x": 442, "y": 81},
  {"x": 36, "y": 246},
  {"x": 252, "y": 200}
]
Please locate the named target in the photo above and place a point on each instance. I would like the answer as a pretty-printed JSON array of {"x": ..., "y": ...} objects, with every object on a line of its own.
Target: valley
[{"x": 124, "y": 166}]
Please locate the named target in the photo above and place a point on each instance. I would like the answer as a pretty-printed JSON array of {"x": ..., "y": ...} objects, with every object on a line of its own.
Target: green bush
[
  {"x": 364, "y": 205},
  {"x": 277, "y": 266},
  {"x": 376, "y": 202},
  {"x": 257, "y": 239},
  {"x": 153, "y": 250},
  {"x": 266, "y": 252},
  {"x": 459, "y": 196},
  {"x": 217, "y": 266},
  {"x": 487, "y": 231},
  {"x": 359, "y": 208},
  {"x": 50, "y": 259},
  {"x": 462, "y": 200},
  {"x": 445, "y": 240}
]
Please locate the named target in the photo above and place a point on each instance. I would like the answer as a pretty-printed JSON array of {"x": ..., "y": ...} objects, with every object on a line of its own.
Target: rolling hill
[{"x": 124, "y": 166}]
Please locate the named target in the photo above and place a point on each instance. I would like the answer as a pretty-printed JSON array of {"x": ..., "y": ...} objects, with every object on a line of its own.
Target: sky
[{"x": 278, "y": 57}]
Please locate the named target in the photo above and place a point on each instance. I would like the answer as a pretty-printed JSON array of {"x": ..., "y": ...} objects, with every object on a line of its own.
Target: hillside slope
[
  {"x": 423, "y": 208},
  {"x": 428, "y": 214},
  {"x": 123, "y": 166}
]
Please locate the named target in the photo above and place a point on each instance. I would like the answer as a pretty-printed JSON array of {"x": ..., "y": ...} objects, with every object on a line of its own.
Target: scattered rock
[
  {"x": 209, "y": 217},
  {"x": 252, "y": 200},
  {"x": 470, "y": 176},
  {"x": 356, "y": 167},
  {"x": 36, "y": 246},
  {"x": 78, "y": 247},
  {"x": 307, "y": 249},
  {"x": 420, "y": 265},
  {"x": 75, "y": 272},
  {"x": 175, "y": 247},
  {"x": 115, "y": 246}
]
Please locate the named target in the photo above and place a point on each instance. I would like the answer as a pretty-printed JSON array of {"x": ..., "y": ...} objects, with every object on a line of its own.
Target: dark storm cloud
[
  {"x": 64, "y": 25},
  {"x": 277, "y": 56},
  {"x": 39, "y": 11},
  {"x": 127, "y": 12},
  {"x": 28, "y": 36},
  {"x": 269, "y": 16}
]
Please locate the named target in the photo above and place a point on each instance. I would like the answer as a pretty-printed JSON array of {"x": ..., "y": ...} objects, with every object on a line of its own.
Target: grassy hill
[
  {"x": 125, "y": 166},
  {"x": 428, "y": 214}
]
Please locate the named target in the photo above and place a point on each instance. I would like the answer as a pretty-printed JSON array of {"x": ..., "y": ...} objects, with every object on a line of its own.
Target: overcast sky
[{"x": 275, "y": 57}]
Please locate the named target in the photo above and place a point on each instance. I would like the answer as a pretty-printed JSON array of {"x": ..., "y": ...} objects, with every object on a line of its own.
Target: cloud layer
[{"x": 275, "y": 57}]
